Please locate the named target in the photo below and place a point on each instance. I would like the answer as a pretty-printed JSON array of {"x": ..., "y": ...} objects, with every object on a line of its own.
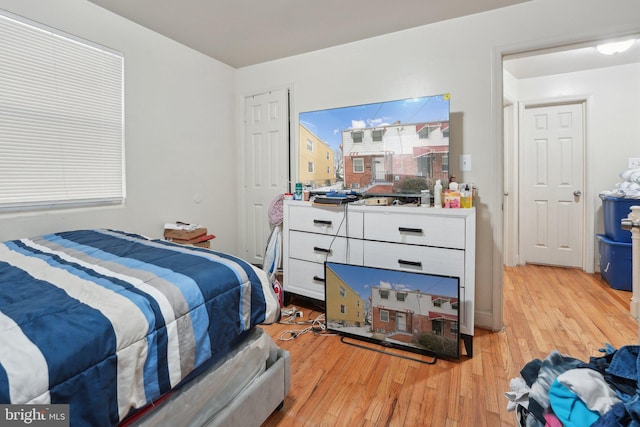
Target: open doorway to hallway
[{"x": 599, "y": 87}]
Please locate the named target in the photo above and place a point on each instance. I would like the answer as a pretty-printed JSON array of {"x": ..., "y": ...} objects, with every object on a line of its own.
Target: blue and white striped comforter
[{"x": 108, "y": 321}]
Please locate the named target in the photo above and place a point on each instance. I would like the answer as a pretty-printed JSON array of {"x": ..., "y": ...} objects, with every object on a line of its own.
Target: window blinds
[{"x": 61, "y": 118}]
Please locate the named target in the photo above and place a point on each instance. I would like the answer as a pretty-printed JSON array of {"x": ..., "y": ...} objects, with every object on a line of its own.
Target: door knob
[{"x": 577, "y": 193}]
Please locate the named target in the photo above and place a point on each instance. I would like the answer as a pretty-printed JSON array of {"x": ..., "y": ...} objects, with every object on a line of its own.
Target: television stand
[
  {"x": 402, "y": 356},
  {"x": 468, "y": 343}
]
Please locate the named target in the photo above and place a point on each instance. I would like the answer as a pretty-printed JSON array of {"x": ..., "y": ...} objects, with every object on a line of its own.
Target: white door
[
  {"x": 266, "y": 164},
  {"x": 378, "y": 169},
  {"x": 401, "y": 322},
  {"x": 552, "y": 214}
]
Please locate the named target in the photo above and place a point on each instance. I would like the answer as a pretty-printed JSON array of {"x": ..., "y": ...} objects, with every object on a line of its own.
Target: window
[
  {"x": 309, "y": 144},
  {"x": 357, "y": 135},
  {"x": 328, "y": 157},
  {"x": 62, "y": 114},
  {"x": 454, "y": 328},
  {"x": 310, "y": 167},
  {"x": 445, "y": 163},
  {"x": 401, "y": 296},
  {"x": 425, "y": 132},
  {"x": 384, "y": 315},
  {"x": 437, "y": 326},
  {"x": 384, "y": 293},
  {"x": 343, "y": 309},
  {"x": 358, "y": 165},
  {"x": 343, "y": 292},
  {"x": 376, "y": 135}
]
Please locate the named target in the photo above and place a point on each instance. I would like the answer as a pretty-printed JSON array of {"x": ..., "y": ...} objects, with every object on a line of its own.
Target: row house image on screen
[{"x": 389, "y": 154}]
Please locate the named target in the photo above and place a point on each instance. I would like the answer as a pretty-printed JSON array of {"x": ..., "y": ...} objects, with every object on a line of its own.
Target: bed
[{"x": 129, "y": 331}]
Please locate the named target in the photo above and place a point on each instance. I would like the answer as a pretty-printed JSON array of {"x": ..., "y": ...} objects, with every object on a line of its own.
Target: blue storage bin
[
  {"x": 613, "y": 210},
  {"x": 615, "y": 263}
]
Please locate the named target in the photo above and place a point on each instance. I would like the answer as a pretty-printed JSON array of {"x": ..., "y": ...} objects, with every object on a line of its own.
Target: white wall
[
  {"x": 462, "y": 57},
  {"x": 179, "y": 132},
  {"x": 613, "y": 128}
]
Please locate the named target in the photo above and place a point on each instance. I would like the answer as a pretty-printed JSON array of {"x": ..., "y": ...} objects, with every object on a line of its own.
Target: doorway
[
  {"x": 570, "y": 86},
  {"x": 378, "y": 169},
  {"x": 561, "y": 76}
]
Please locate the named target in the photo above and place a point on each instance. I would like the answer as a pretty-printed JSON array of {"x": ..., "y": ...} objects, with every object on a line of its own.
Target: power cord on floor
[
  {"x": 316, "y": 325},
  {"x": 290, "y": 316}
]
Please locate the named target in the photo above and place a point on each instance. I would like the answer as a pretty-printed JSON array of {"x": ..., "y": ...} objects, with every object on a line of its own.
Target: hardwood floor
[{"x": 545, "y": 308}]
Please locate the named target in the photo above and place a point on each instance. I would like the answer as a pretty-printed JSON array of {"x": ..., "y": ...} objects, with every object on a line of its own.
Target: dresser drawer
[
  {"x": 305, "y": 278},
  {"x": 425, "y": 259},
  {"x": 415, "y": 229},
  {"x": 335, "y": 220},
  {"x": 321, "y": 248}
]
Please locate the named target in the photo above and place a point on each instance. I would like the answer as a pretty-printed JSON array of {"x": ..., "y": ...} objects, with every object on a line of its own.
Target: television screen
[
  {"x": 414, "y": 311},
  {"x": 395, "y": 147}
]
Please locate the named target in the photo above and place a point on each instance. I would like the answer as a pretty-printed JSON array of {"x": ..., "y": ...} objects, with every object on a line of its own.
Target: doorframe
[
  {"x": 497, "y": 136},
  {"x": 588, "y": 207},
  {"x": 510, "y": 183}
]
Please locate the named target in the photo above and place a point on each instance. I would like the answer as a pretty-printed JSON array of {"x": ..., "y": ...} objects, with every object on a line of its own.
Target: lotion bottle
[
  {"x": 437, "y": 194},
  {"x": 465, "y": 197},
  {"x": 454, "y": 195}
]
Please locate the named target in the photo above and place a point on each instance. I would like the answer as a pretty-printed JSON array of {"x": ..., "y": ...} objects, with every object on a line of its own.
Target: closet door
[{"x": 266, "y": 166}]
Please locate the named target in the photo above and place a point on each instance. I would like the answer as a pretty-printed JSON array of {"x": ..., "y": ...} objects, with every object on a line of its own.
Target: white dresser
[{"x": 435, "y": 241}]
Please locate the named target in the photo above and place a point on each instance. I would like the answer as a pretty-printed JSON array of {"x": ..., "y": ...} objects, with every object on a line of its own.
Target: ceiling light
[{"x": 616, "y": 47}]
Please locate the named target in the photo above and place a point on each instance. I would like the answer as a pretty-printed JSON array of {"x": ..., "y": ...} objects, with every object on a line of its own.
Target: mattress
[
  {"x": 108, "y": 321},
  {"x": 200, "y": 399}
]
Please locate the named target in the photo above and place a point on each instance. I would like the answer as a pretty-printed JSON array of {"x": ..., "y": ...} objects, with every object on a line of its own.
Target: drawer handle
[
  {"x": 411, "y": 263},
  {"x": 409, "y": 230},
  {"x": 317, "y": 249},
  {"x": 318, "y": 279},
  {"x": 321, "y": 222}
]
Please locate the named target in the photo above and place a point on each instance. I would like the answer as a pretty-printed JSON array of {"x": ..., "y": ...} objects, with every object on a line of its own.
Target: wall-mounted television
[
  {"x": 394, "y": 147},
  {"x": 414, "y": 311}
]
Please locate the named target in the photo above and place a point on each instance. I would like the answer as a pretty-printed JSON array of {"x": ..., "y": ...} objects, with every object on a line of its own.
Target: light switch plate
[{"x": 465, "y": 162}]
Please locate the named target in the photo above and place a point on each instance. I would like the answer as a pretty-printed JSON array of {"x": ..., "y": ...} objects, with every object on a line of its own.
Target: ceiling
[
  {"x": 565, "y": 59},
  {"x": 247, "y": 32}
]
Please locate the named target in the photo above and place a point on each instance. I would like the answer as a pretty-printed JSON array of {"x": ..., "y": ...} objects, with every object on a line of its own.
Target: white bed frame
[
  {"x": 264, "y": 395},
  {"x": 225, "y": 397}
]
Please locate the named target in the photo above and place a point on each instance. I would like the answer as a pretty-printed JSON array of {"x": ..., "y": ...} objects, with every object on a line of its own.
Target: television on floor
[{"x": 414, "y": 311}]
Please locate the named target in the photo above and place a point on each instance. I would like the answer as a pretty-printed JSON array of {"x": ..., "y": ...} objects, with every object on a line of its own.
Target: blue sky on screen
[
  {"x": 329, "y": 124},
  {"x": 361, "y": 279}
]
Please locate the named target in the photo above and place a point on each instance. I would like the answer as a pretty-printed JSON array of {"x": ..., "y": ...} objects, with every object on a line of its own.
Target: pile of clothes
[
  {"x": 564, "y": 391},
  {"x": 629, "y": 187}
]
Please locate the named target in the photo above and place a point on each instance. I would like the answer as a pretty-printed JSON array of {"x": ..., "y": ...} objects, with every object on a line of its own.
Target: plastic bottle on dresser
[
  {"x": 465, "y": 197},
  {"x": 454, "y": 195},
  {"x": 437, "y": 194}
]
